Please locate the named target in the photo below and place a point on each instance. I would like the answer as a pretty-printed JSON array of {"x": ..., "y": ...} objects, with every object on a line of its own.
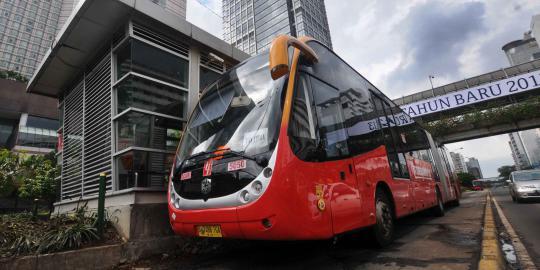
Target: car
[
  {"x": 524, "y": 185},
  {"x": 477, "y": 188}
]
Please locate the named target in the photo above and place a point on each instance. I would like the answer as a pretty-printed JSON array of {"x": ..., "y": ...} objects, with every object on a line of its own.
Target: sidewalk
[{"x": 423, "y": 242}]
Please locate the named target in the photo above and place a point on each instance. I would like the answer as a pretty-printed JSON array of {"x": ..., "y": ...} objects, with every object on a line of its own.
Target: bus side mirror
[
  {"x": 508, "y": 181},
  {"x": 279, "y": 54}
]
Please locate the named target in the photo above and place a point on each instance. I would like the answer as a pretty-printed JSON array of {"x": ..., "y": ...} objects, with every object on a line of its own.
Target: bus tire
[
  {"x": 383, "y": 230},
  {"x": 438, "y": 210},
  {"x": 456, "y": 201}
]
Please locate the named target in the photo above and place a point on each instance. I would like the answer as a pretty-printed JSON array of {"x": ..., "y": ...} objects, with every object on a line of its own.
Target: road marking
[
  {"x": 491, "y": 257},
  {"x": 522, "y": 254}
]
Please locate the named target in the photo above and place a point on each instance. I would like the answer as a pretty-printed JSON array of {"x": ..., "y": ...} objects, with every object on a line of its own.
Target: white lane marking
[{"x": 523, "y": 255}]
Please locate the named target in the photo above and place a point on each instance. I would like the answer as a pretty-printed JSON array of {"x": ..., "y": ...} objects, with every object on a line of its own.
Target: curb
[
  {"x": 523, "y": 256},
  {"x": 491, "y": 256}
]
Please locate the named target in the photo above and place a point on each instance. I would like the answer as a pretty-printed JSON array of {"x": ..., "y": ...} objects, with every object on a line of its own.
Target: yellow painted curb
[{"x": 491, "y": 257}]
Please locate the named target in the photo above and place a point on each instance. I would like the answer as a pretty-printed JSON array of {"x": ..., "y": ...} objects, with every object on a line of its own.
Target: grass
[{"x": 22, "y": 234}]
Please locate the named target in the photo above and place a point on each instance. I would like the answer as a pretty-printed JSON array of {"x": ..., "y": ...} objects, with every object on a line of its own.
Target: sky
[{"x": 397, "y": 44}]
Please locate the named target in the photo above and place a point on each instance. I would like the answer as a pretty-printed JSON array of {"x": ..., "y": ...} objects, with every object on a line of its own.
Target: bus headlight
[
  {"x": 245, "y": 196},
  {"x": 257, "y": 187},
  {"x": 173, "y": 197}
]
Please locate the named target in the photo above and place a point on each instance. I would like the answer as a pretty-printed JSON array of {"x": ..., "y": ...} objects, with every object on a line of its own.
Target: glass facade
[
  {"x": 147, "y": 131},
  {"x": 143, "y": 169},
  {"x": 251, "y": 25},
  {"x": 133, "y": 138},
  {"x": 149, "y": 95},
  {"x": 140, "y": 57},
  {"x": 151, "y": 106},
  {"x": 27, "y": 29}
]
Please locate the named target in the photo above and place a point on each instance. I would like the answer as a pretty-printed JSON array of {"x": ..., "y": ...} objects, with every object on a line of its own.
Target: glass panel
[
  {"x": 330, "y": 119},
  {"x": 159, "y": 64},
  {"x": 149, "y": 131},
  {"x": 123, "y": 60},
  {"x": 207, "y": 77},
  {"x": 148, "y": 95},
  {"x": 39, "y": 122},
  {"x": 144, "y": 58},
  {"x": 143, "y": 169}
]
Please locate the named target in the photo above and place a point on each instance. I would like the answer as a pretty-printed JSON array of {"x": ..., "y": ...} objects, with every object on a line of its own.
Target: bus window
[
  {"x": 303, "y": 138},
  {"x": 397, "y": 120},
  {"x": 332, "y": 133},
  {"x": 388, "y": 138},
  {"x": 360, "y": 120}
]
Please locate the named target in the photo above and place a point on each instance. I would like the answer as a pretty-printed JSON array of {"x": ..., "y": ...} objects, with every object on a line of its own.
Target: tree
[
  {"x": 505, "y": 171},
  {"x": 28, "y": 176},
  {"x": 12, "y": 75},
  {"x": 10, "y": 174},
  {"x": 465, "y": 179}
]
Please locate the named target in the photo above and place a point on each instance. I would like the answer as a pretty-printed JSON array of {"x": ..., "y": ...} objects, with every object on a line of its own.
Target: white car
[{"x": 524, "y": 185}]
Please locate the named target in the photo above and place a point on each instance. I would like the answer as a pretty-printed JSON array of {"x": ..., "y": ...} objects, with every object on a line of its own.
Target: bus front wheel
[{"x": 383, "y": 231}]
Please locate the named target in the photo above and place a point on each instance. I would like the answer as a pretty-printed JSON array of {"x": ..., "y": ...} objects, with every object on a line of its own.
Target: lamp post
[{"x": 430, "y": 77}]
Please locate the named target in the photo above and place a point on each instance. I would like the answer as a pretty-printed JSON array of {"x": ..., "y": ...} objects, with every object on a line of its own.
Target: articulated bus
[{"x": 295, "y": 144}]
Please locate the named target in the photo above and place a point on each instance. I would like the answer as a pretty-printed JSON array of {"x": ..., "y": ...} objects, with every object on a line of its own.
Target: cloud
[
  {"x": 433, "y": 34},
  {"x": 203, "y": 14},
  {"x": 396, "y": 44}
]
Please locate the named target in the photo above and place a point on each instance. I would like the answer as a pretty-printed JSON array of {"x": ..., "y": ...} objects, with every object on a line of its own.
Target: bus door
[
  {"x": 402, "y": 186},
  {"x": 320, "y": 117}
]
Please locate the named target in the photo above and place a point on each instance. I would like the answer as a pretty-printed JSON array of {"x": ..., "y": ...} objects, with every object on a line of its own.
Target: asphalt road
[
  {"x": 524, "y": 217},
  {"x": 423, "y": 242}
]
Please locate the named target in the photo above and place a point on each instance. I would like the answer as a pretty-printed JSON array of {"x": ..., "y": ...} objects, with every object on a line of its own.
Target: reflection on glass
[
  {"x": 241, "y": 112},
  {"x": 143, "y": 169},
  {"x": 207, "y": 77},
  {"x": 149, "y": 131},
  {"x": 148, "y": 95},
  {"x": 143, "y": 58}
]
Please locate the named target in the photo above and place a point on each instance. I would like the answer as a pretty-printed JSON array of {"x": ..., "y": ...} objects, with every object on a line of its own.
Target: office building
[
  {"x": 525, "y": 145},
  {"x": 27, "y": 29},
  {"x": 124, "y": 90},
  {"x": 459, "y": 162},
  {"x": 250, "y": 25},
  {"x": 28, "y": 123},
  {"x": 521, "y": 159},
  {"x": 473, "y": 167}
]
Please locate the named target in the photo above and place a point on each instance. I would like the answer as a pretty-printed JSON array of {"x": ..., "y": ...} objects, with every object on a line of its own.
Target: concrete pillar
[{"x": 194, "y": 73}]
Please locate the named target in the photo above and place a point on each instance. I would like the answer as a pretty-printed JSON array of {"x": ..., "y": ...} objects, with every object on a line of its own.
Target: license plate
[{"x": 209, "y": 231}]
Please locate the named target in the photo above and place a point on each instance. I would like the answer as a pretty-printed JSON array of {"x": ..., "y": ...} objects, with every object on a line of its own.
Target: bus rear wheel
[
  {"x": 383, "y": 231},
  {"x": 438, "y": 210}
]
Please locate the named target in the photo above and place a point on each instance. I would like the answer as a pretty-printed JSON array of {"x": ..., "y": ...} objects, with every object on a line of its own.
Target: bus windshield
[{"x": 240, "y": 112}]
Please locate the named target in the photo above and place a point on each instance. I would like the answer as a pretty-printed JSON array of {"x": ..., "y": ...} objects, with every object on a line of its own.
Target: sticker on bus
[
  {"x": 185, "y": 176},
  {"x": 207, "y": 169},
  {"x": 236, "y": 165}
]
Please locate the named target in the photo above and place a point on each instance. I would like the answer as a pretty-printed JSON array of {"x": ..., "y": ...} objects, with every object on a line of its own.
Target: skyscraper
[
  {"x": 28, "y": 28},
  {"x": 525, "y": 145},
  {"x": 473, "y": 166},
  {"x": 459, "y": 162},
  {"x": 250, "y": 25}
]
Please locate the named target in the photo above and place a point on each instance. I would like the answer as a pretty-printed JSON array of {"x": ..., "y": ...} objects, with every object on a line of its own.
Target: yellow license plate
[{"x": 209, "y": 231}]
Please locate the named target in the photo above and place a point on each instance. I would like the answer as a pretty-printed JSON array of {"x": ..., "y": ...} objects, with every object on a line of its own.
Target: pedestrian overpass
[{"x": 493, "y": 103}]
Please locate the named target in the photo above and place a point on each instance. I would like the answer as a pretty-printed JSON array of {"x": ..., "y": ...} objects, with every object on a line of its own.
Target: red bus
[{"x": 295, "y": 144}]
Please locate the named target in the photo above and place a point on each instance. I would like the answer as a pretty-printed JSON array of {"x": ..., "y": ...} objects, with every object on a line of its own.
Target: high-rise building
[
  {"x": 27, "y": 29},
  {"x": 521, "y": 159},
  {"x": 250, "y": 25},
  {"x": 473, "y": 167},
  {"x": 525, "y": 145},
  {"x": 459, "y": 162},
  {"x": 522, "y": 50}
]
